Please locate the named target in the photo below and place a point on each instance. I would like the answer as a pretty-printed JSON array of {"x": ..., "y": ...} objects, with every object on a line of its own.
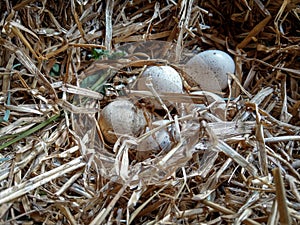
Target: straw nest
[{"x": 232, "y": 160}]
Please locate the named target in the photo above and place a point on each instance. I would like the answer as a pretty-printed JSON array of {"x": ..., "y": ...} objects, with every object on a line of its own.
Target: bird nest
[{"x": 233, "y": 156}]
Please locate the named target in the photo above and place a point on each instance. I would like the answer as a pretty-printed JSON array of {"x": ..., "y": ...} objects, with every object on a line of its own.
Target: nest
[{"x": 62, "y": 62}]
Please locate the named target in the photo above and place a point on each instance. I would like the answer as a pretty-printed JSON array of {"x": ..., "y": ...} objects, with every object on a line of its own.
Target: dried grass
[{"x": 232, "y": 165}]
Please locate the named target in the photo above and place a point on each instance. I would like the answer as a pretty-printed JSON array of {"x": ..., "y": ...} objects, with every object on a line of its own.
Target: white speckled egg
[
  {"x": 121, "y": 117},
  {"x": 165, "y": 79},
  {"x": 158, "y": 141},
  {"x": 209, "y": 69}
]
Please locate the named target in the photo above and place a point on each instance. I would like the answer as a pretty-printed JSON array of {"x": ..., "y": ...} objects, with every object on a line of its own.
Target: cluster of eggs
[{"x": 122, "y": 117}]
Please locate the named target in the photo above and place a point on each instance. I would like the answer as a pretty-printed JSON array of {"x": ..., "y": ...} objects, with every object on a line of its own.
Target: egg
[
  {"x": 165, "y": 79},
  {"x": 209, "y": 69},
  {"x": 158, "y": 141},
  {"x": 121, "y": 117}
]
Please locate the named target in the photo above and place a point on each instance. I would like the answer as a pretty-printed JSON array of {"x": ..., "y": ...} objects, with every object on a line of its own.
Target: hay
[{"x": 234, "y": 160}]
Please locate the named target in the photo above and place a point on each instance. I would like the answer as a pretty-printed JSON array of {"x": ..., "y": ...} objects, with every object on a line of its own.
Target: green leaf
[
  {"x": 98, "y": 53},
  {"x": 55, "y": 70}
]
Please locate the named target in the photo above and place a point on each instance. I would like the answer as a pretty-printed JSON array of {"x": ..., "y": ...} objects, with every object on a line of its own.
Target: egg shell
[
  {"x": 209, "y": 69},
  {"x": 165, "y": 79},
  {"x": 121, "y": 117},
  {"x": 158, "y": 141}
]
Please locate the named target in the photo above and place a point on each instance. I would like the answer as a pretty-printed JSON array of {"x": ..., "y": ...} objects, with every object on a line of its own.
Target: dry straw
[{"x": 233, "y": 161}]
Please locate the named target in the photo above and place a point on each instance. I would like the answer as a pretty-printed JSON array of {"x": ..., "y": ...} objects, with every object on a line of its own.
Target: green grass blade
[{"x": 29, "y": 132}]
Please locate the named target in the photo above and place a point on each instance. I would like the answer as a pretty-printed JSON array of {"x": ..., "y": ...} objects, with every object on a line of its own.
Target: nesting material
[{"x": 234, "y": 156}]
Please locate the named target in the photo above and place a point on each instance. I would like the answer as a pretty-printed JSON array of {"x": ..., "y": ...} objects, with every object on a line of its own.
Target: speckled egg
[
  {"x": 158, "y": 141},
  {"x": 121, "y": 117},
  {"x": 209, "y": 69},
  {"x": 165, "y": 79}
]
